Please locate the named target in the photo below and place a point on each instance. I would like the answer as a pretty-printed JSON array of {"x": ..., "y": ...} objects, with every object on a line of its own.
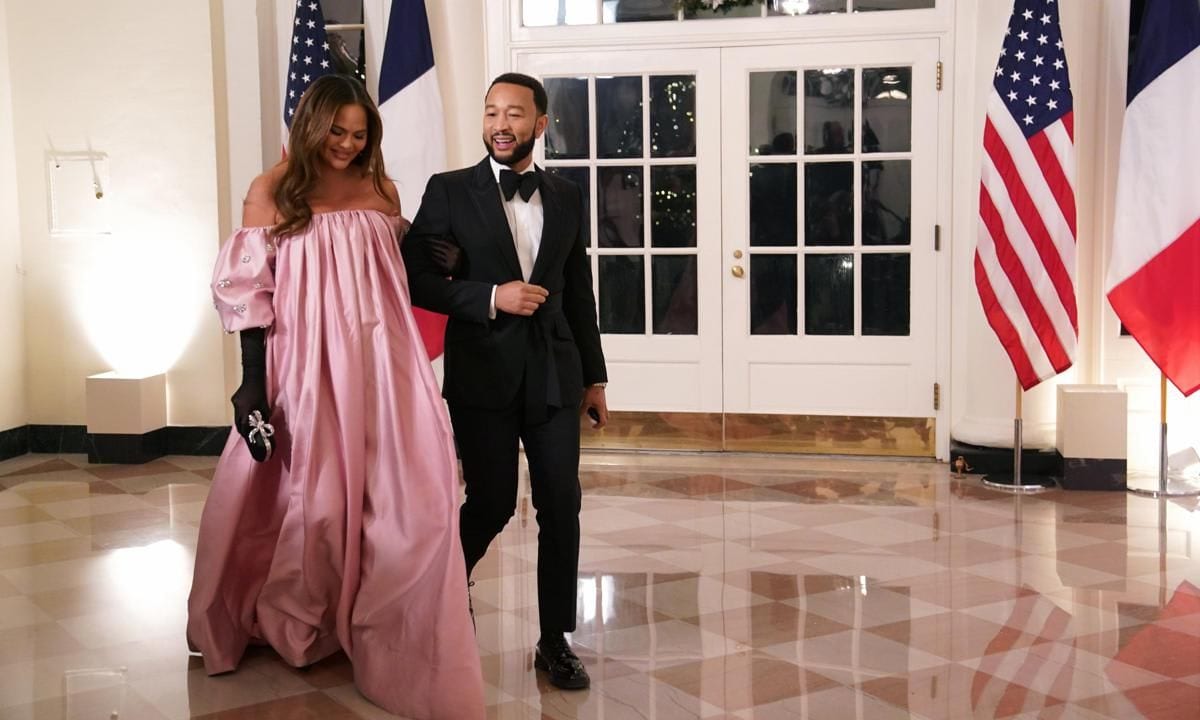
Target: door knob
[
  {"x": 737, "y": 254},
  {"x": 738, "y": 271}
]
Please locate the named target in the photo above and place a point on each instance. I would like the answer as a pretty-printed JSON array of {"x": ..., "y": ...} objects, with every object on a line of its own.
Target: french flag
[
  {"x": 414, "y": 139},
  {"x": 1154, "y": 274}
]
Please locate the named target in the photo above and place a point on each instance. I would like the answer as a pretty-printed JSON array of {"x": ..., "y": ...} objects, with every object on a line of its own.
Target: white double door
[{"x": 761, "y": 222}]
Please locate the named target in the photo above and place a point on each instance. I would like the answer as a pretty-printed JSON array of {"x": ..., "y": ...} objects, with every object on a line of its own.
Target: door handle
[{"x": 738, "y": 271}]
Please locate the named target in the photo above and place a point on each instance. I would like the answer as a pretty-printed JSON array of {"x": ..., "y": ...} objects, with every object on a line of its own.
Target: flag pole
[
  {"x": 1162, "y": 554},
  {"x": 1018, "y": 436},
  {"x": 1162, "y": 436},
  {"x": 1016, "y": 483},
  {"x": 1166, "y": 488}
]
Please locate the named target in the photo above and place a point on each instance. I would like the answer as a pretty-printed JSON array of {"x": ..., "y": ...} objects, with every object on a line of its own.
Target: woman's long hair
[{"x": 310, "y": 129}]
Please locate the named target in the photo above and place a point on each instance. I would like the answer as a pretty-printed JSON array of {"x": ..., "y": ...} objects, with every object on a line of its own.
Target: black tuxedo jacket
[{"x": 556, "y": 352}]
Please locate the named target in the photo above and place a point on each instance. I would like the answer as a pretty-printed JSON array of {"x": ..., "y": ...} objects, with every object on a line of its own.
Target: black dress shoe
[{"x": 554, "y": 656}]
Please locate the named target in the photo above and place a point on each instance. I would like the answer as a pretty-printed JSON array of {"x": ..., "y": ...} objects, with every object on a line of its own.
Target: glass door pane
[
  {"x": 645, "y": 194},
  {"x": 832, "y": 201}
]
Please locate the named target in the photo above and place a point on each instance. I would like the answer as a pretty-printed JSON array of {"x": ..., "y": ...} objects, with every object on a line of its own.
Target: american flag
[
  {"x": 1029, "y": 666},
  {"x": 309, "y": 58},
  {"x": 1025, "y": 257}
]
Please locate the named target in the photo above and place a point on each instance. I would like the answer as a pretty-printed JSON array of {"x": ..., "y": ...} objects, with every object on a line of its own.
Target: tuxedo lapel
[
  {"x": 551, "y": 228},
  {"x": 486, "y": 196}
]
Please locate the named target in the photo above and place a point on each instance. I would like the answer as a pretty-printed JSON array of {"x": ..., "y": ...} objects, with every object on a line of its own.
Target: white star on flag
[{"x": 308, "y": 32}]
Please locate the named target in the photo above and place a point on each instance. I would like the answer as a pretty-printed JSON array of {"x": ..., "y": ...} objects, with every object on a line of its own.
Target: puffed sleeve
[{"x": 243, "y": 282}]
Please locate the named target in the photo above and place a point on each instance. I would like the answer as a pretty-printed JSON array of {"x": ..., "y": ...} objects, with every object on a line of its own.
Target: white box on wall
[{"x": 77, "y": 193}]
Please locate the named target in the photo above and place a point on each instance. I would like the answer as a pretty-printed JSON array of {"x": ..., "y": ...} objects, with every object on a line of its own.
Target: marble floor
[{"x": 711, "y": 587}]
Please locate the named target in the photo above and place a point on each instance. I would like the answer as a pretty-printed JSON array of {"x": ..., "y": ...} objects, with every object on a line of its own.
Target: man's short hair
[{"x": 539, "y": 91}]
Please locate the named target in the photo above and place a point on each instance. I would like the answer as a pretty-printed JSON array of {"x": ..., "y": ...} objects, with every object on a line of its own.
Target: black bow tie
[{"x": 527, "y": 183}]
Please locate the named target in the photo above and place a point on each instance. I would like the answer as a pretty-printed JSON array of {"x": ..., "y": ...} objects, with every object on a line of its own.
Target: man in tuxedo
[{"x": 523, "y": 358}]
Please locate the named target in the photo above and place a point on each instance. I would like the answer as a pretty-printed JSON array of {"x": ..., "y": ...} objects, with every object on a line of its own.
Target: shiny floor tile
[{"x": 733, "y": 587}]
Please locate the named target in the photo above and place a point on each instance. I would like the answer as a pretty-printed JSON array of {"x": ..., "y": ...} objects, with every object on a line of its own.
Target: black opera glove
[
  {"x": 446, "y": 256},
  {"x": 251, "y": 412}
]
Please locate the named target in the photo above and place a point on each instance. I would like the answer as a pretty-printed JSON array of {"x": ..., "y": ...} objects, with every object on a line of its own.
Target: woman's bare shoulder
[
  {"x": 258, "y": 209},
  {"x": 264, "y": 185},
  {"x": 391, "y": 196}
]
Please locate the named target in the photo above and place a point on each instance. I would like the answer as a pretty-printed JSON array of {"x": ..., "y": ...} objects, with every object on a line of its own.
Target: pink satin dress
[{"x": 347, "y": 538}]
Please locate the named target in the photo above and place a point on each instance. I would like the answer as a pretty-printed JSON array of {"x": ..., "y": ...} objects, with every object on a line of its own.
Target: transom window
[{"x": 540, "y": 13}]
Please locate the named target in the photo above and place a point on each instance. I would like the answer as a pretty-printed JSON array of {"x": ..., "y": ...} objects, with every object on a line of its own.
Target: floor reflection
[{"x": 710, "y": 587}]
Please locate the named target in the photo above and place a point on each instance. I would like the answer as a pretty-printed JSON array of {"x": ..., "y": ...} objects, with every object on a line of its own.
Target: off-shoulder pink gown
[{"x": 347, "y": 537}]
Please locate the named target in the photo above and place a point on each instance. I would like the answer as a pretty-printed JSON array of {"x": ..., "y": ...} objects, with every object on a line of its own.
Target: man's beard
[{"x": 519, "y": 153}]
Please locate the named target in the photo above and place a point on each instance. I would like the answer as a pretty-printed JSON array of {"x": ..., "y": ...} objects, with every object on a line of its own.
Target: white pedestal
[
  {"x": 1092, "y": 422},
  {"x": 1093, "y": 436},
  {"x": 126, "y": 417},
  {"x": 126, "y": 404}
]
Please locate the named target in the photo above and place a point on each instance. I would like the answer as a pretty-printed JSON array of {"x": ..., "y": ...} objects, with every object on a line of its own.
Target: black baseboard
[
  {"x": 1067, "y": 473},
  {"x": 110, "y": 448},
  {"x": 1094, "y": 474},
  {"x": 58, "y": 439},
  {"x": 127, "y": 449},
  {"x": 995, "y": 461},
  {"x": 196, "y": 440},
  {"x": 14, "y": 442}
]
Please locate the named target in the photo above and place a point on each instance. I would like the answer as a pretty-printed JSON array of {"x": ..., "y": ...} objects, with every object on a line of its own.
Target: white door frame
[{"x": 844, "y": 374}]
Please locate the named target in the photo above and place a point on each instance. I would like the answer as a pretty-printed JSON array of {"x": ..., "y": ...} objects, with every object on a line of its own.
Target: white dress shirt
[{"x": 525, "y": 219}]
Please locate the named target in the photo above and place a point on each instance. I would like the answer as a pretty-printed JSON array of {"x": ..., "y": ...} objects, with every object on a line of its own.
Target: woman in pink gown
[{"x": 345, "y": 537}]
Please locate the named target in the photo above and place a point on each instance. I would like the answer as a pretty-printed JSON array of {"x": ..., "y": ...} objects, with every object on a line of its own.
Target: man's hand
[
  {"x": 520, "y": 298},
  {"x": 594, "y": 399}
]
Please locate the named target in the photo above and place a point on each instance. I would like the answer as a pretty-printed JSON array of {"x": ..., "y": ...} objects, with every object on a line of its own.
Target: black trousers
[{"x": 487, "y": 444}]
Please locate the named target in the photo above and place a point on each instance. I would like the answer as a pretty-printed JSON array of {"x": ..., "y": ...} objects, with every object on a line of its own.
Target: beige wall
[
  {"x": 12, "y": 304},
  {"x": 132, "y": 80}
]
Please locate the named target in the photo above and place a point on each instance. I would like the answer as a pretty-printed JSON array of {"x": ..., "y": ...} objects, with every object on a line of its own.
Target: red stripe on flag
[
  {"x": 1035, "y": 658},
  {"x": 1060, "y": 689},
  {"x": 1024, "y": 651},
  {"x": 1047, "y": 160},
  {"x": 1027, "y": 211},
  {"x": 1012, "y": 702},
  {"x": 1010, "y": 262},
  {"x": 1002, "y": 643},
  {"x": 1010, "y": 339},
  {"x": 1160, "y": 306},
  {"x": 1068, "y": 122}
]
